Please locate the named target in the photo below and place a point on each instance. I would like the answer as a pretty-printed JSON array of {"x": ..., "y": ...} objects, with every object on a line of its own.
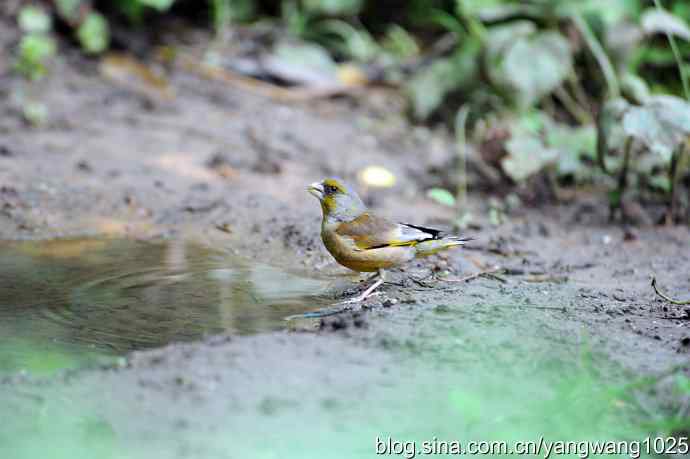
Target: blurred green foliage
[
  {"x": 551, "y": 64},
  {"x": 37, "y": 46}
]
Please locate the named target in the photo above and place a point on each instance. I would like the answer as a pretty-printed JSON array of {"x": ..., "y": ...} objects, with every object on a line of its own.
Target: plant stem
[
  {"x": 580, "y": 114},
  {"x": 461, "y": 145},
  {"x": 622, "y": 179},
  {"x": 599, "y": 54},
  {"x": 672, "y": 172},
  {"x": 602, "y": 144},
  {"x": 677, "y": 56}
]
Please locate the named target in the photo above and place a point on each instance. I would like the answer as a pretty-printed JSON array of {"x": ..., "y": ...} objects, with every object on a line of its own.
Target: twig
[
  {"x": 493, "y": 276},
  {"x": 486, "y": 272},
  {"x": 666, "y": 297}
]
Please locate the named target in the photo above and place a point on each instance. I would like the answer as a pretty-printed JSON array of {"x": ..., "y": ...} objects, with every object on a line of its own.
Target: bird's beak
[{"x": 316, "y": 189}]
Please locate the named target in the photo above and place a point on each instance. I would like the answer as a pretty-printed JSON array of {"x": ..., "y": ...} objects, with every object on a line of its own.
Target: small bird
[{"x": 362, "y": 241}]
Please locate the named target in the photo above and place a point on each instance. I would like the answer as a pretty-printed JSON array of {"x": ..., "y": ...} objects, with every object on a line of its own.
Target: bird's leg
[
  {"x": 343, "y": 306},
  {"x": 368, "y": 292}
]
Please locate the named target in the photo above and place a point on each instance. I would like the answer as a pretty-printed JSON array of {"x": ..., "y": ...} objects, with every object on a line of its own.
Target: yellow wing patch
[{"x": 370, "y": 232}]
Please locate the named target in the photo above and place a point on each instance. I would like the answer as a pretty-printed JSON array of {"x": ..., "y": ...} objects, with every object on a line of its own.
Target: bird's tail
[{"x": 432, "y": 246}]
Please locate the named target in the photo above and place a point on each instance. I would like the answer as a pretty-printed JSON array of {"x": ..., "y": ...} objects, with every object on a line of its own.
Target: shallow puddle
[
  {"x": 64, "y": 303},
  {"x": 461, "y": 372}
]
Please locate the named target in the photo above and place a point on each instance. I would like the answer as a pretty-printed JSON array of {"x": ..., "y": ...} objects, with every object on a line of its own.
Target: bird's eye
[{"x": 330, "y": 189}]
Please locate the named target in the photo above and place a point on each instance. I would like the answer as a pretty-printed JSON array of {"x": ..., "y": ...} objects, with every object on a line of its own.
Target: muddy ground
[{"x": 228, "y": 169}]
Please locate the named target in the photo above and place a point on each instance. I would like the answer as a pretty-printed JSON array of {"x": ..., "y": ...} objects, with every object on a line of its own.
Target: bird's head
[{"x": 338, "y": 200}]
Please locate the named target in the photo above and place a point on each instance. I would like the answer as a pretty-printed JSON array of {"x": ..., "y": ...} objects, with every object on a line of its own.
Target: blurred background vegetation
[{"x": 552, "y": 95}]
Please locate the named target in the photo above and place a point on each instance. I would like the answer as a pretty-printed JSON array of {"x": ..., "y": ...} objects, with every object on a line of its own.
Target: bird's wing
[{"x": 371, "y": 232}]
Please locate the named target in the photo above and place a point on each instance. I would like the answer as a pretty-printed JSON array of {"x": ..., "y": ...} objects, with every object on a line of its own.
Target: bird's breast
[{"x": 347, "y": 254}]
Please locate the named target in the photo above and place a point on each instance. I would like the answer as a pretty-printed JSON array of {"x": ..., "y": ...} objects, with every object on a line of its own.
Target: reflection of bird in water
[{"x": 362, "y": 241}]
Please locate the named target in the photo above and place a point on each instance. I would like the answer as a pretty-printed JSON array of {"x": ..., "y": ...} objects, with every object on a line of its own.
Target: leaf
[
  {"x": 610, "y": 12},
  {"x": 34, "y": 51},
  {"x": 640, "y": 122},
  {"x": 93, "y": 33},
  {"x": 535, "y": 66},
  {"x": 660, "y": 21},
  {"x": 68, "y": 9},
  {"x": 334, "y": 7},
  {"x": 572, "y": 144},
  {"x": 356, "y": 43},
  {"x": 429, "y": 86},
  {"x": 635, "y": 88},
  {"x": 611, "y": 119},
  {"x": 442, "y": 196},
  {"x": 661, "y": 182},
  {"x": 34, "y": 20},
  {"x": 35, "y": 113},
  {"x": 225, "y": 12},
  {"x": 491, "y": 10},
  {"x": 661, "y": 125},
  {"x": 501, "y": 37},
  {"x": 399, "y": 42},
  {"x": 160, "y": 5},
  {"x": 300, "y": 62},
  {"x": 526, "y": 156}
]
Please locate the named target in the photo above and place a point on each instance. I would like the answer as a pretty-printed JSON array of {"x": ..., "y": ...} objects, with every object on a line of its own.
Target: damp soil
[{"x": 149, "y": 199}]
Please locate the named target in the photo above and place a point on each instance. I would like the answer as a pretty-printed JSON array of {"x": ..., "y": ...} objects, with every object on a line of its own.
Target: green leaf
[
  {"x": 573, "y": 144},
  {"x": 35, "y": 113},
  {"x": 442, "y": 196},
  {"x": 160, "y": 5},
  {"x": 611, "y": 121},
  {"x": 428, "y": 87},
  {"x": 93, "y": 33},
  {"x": 68, "y": 9},
  {"x": 34, "y": 20},
  {"x": 225, "y": 12},
  {"x": 661, "y": 125},
  {"x": 535, "y": 66},
  {"x": 661, "y": 182},
  {"x": 609, "y": 12},
  {"x": 501, "y": 37},
  {"x": 526, "y": 156},
  {"x": 661, "y": 21},
  {"x": 334, "y": 7},
  {"x": 34, "y": 51},
  {"x": 355, "y": 43},
  {"x": 635, "y": 88},
  {"x": 300, "y": 62},
  {"x": 399, "y": 42}
]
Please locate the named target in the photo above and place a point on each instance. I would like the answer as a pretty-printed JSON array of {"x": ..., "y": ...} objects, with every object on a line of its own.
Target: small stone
[
  {"x": 388, "y": 302},
  {"x": 83, "y": 166}
]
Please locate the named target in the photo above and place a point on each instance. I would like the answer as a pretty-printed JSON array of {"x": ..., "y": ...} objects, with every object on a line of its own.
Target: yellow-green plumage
[{"x": 364, "y": 242}]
